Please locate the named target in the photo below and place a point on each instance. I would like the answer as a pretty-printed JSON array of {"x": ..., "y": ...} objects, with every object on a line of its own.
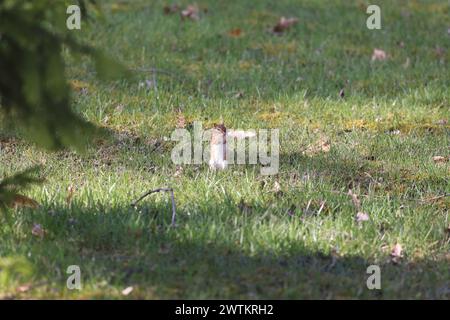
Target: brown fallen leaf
[
  {"x": 284, "y": 24},
  {"x": 38, "y": 231},
  {"x": 191, "y": 12},
  {"x": 20, "y": 201},
  {"x": 322, "y": 145},
  {"x": 396, "y": 253},
  {"x": 379, "y": 55},
  {"x": 235, "y": 32},
  {"x": 440, "y": 159}
]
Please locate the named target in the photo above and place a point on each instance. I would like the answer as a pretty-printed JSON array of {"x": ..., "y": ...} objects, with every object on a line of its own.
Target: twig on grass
[{"x": 133, "y": 204}]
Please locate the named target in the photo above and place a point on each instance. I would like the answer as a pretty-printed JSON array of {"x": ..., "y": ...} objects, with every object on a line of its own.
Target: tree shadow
[
  {"x": 117, "y": 247},
  {"x": 358, "y": 171}
]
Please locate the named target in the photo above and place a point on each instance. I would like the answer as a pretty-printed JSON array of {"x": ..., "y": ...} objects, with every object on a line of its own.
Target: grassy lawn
[{"x": 241, "y": 234}]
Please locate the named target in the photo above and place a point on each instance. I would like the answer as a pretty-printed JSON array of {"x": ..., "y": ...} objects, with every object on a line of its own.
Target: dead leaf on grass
[
  {"x": 284, "y": 24},
  {"x": 191, "y": 12},
  {"x": 396, "y": 253},
  {"x": 440, "y": 159},
  {"x": 323, "y": 145},
  {"x": 237, "y": 32},
  {"x": 379, "y": 55}
]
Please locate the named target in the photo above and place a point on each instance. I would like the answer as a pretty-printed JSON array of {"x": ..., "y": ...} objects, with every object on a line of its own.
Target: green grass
[{"x": 237, "y": 237}]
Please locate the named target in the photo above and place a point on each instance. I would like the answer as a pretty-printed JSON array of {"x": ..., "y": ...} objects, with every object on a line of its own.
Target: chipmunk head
[
  {"x": 218, "y": 134},
  {"x": 220, "y": 127},
  {"x": 218, "y": 149}
]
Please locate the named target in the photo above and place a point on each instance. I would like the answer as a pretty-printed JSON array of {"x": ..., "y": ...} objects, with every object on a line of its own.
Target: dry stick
[{"x": 160, "y": 190}]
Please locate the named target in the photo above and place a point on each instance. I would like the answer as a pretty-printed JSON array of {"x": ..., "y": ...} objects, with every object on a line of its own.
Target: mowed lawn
[{"x": 241, "y": 234}]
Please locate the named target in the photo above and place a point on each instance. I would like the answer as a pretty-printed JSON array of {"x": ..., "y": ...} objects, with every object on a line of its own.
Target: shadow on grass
[
  {"x": 362, "y": 172},
  {"x": 121, "y": 246}
]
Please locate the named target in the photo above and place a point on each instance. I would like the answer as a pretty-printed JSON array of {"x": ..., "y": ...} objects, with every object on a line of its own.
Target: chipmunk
[
  {"x": 218, "y": 155},
  {"x": 218, "y": 147}
]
